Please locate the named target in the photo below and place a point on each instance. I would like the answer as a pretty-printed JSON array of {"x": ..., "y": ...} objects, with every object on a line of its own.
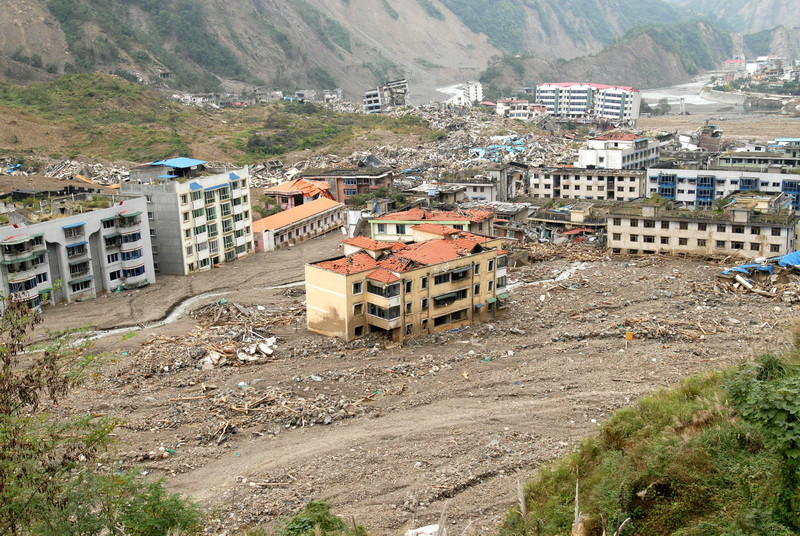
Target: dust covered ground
[{"x": 391, "y": 434}]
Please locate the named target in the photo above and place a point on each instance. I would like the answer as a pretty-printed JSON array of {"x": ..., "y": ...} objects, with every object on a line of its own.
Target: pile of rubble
[
  {"x": 777, "y": 278},
  {"x": 98, "y": 173},
  {"x": 579, "y": 252}
]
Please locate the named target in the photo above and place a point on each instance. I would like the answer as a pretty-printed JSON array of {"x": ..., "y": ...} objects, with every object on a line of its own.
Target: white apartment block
[
  {"x": 78, "y": 256},
  {"x": 466, "y": 94},
  {"x": 619, "y": 150},
  {"x": 590, "y": 101},
  {"x": 198, "y": 221},
  {"x": 577, "y": 183},
  {"x": 750, "y": 226},
  {"x": 700, "y": 187}
]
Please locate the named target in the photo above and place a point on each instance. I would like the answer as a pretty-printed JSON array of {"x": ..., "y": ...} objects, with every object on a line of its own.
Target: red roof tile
[
  {"x": 352, "y": 264},
  {"x": 367, "y": 243},
  {"x": 434, "y": 228},
  {"x": 294, "y": 215},
  {"x": 384, "y": 276}
]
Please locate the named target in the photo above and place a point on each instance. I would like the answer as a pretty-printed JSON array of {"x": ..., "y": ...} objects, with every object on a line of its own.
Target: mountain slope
[
  {"x": 649, "y": 56},
  {"x": 747, "y": 16},
  {"x": 317, "y": 44}
]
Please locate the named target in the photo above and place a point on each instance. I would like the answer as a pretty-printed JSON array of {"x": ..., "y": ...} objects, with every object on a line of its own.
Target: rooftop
[
  {"x": 593, "y": 86},
  {"x": 422, "y": 215},
  {"x": 294, "y": 215},
  {"x": 406, "y": 257},
  {"x": 620, "y": 136},
  {"x": 367, "y": 243},
  {"x": 179, "y": 163},
  {"x": 307, "y": 187},
  {"x": 348, "y": 172},
  {"x": 433, "y": 228}
]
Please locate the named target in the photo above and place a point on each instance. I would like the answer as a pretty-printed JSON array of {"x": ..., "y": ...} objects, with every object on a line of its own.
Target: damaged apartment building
[
  {"x": 749, "y": 225},
  {"x": 200, "y": 217},
  {"x": 582, "y": 183},
  {"x": 443, "y": 280},
  {"x": 390, "y": 95},
  {"x": 76, "y": 247}
]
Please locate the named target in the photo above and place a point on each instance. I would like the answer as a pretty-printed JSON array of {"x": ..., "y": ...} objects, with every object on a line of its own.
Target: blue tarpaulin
[
  {"x": 791, "y": 259},
  {"x": 178, "y": 163},
  {"x": 195, "y": 186}
]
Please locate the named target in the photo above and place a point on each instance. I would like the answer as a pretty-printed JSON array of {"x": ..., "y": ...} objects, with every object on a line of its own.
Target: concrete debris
[
  {"x": 777, "y": 278},
  {"x": 97, "y": 173}
]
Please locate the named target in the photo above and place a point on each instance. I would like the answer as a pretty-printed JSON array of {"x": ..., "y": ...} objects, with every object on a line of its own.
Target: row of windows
[
  {"x": 700, "y": 242},
  {"x": 444, "y": 300},
  {"x": 590, "y": 178},
  {"x": 22, "y": 286},
  {"x": 700, "y": 226},
  {"x": 439, "y": 279}
]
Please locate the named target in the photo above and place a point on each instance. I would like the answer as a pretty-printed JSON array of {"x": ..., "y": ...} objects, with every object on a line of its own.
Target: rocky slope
[
  {"x": 352, "y": 44},
  {"x": 747, "y": 16},
  {"x": 648, "y": 57}
]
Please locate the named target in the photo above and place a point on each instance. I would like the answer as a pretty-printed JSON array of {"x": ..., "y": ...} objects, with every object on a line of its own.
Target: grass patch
[{"x": 719, "y": 454}]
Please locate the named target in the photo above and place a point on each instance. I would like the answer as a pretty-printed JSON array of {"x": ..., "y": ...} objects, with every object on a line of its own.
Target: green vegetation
[
  {"x": 177, "y": 39},
  {"x": 266, "y": 206},
  {"x": 316, "y": 519},
  {"x": 504, "y": 21},
  {"x": 718, "y": 455},
  {"x": 430, "y": 9},
  {"x": 327, "y": 30},
  {"x": 51, "y": 477},
  {"x": 759, "y": 43},
  {"x": 361, "y": 200},
  {"x": 698, "y": 43},
  {"x": 292, "y": 126},
  {"x": 98, "y": 104},
  {"x": 390, "y": 10}
]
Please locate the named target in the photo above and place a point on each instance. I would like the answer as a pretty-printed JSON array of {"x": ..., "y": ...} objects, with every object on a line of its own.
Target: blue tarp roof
[
  {"x": 791, "y": 259},
  {"x": 217, "y": 187},
  {"x": 195, "y": 186},
  {"x": 233, "y": 176},
  {"x": 167, "y": 176},
  {"x": 746, "y": 268},
  {"x": 73, "y": 225},
  {"x": 76, "y": 245},
  {"x": 178, "y": 163}
]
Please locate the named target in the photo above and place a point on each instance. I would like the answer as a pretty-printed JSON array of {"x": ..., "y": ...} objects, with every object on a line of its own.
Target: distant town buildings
[
  {"x": 200, "y": 218},
  {"x": 390, "y": 95},
  {"x": 63, "y": 258},
  {"x": 578, "y": 101}
]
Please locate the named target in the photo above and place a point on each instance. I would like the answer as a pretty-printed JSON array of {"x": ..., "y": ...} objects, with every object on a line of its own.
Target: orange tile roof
[
  {"x": 308, "y": 187},
  {"x": 294, "y": 215},
  {"x": 433, "y": 228},
  {"x": 367, "y": 243},
  {"x": 352, "y": 264},
  {"x": 419, "y": 214},
  {"x": 383, "y": 275}
]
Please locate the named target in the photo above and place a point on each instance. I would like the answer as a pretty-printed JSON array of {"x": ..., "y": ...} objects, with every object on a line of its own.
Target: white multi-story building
[
  {"x": 590, "y": 101},
  {"x": 700, "y": 187},
  {"x": 197, "y": 221},
  {"x": 466, "y": 94},
  {"x": 77, "y": 256},
  {"x": 619, "y": 150},
  {"x": 577, "y": 183}
]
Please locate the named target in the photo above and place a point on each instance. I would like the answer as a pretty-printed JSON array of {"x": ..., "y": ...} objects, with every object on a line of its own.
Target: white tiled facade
[
  {"x": 587, "y": 101},
  {"x": 575, "y": 183},
  {"x": 78, "y": 256},
  {"x": 198, "y": 222}
]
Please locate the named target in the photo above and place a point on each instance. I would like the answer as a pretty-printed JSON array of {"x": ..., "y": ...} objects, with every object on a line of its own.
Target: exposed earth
[{"x": 446, "y": 421}]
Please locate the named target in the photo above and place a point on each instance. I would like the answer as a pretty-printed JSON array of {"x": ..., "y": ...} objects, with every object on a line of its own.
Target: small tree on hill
[{"x": 49, "y": 481}]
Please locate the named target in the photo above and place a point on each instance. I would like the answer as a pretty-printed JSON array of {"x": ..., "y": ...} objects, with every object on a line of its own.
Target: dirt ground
[
  {"x": 744, "y": 127},
  {"x": 445, "y": 421}
]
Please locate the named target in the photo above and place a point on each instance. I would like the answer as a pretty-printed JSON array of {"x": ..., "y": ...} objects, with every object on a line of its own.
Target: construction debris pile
[
  {"x": 97, "y": 173},
  {"x": 777, "y": 278}
]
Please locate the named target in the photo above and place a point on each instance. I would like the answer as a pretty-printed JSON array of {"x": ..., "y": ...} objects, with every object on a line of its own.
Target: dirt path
[{"x": 453, "y": 418}]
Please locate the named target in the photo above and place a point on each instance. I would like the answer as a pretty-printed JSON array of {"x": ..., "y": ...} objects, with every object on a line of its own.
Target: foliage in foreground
[
  {"x": 719, "y": 455},
  {"x": 316, "y": 519},
  {"x": 51, "y": 481}
]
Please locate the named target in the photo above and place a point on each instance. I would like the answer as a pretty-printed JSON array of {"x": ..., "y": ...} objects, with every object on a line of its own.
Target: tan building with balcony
[
  {"x": 405, "y": 290},
  {"x": 748, "y": 226}
]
